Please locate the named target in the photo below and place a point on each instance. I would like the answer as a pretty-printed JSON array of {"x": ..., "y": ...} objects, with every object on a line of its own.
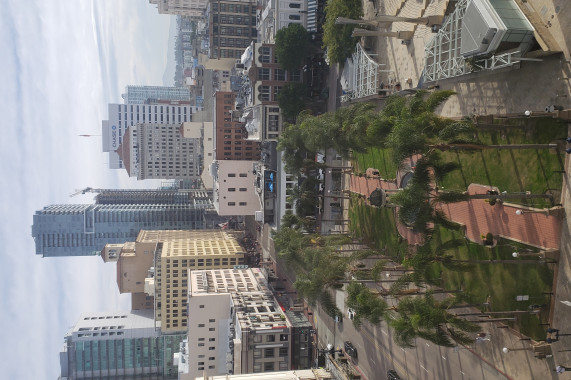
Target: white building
[
  {"x": 122, "y": 116},
  {"x": 160, "y": 151},
  {"x": 234, "y": 190},
  {"x": 234, "y": 325},
  {"x": 278, "y": 14}
]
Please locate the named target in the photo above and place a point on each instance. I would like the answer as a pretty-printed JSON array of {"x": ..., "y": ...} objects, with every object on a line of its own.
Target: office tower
[
  {"x": 154, "y": 94},
  {"x": 200, "y": 198},
  {"x": 118, "y": 345},
  {"x": 231, "y": 27},
  {"x": 121, "y": 116},
  {"x": 161, "y": 151},
  {"x": 83, "y": 230},
  {"x": 191, "y": 8}
]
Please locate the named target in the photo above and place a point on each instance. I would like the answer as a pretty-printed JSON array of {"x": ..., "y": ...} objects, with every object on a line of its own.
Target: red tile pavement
[{"x": 532, "y": 227}]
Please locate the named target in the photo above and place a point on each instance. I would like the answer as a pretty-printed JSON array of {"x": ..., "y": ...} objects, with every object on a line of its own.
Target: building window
[
  {"x": 294, "y": 17},
  {"x": 212, "y": 320},
  {"x": 243, "y": 175},
  {"x": 201, "y": 325},
  {"x": 270, "y": 338},
  {"x": 243, "y": 189},
  {"x": 211, "y": 348},
  {"x": 279, "y": 74},
  {"x": 243, "y": 203},
  {"x": 233, "y": 175},
  {"x": 264, "y": 93},
  {"x": 268, "y": 366},
  {"x": 283, "y": 351},
  {"x": 257, "y": 353},
  {"x": 232, "y": 189},
  {"x": 268, "y": 352},
  {"x": 294, "y": 5},
  {"x": 231, "y": 203},
  {"x": 212, "y": 329},
  {"x": 263, "y": 74},
  {"x": 284, "y": 337}
]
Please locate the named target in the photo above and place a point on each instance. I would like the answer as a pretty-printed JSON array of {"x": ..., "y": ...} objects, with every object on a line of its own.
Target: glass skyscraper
[
  {"x": 144, "y": 94},
  {"x": 119, "y": 345},
  {"x": 83, "y": 230}
]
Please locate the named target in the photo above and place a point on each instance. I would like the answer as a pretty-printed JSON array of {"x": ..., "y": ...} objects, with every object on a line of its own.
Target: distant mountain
[{"x": 168, "y": 75}]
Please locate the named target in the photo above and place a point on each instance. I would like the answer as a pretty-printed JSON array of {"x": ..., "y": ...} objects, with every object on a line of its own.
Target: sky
[{"x": 63, "y": 62}]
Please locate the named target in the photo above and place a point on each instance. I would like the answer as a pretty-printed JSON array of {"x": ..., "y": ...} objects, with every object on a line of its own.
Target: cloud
[{"x": 63, "y": 61}]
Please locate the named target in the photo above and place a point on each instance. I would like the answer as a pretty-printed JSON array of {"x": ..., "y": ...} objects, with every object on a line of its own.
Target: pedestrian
[{"x": 561, "y": 369}]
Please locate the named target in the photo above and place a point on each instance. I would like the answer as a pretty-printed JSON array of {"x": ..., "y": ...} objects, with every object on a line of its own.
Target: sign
[{"x": 240, "y": 267}]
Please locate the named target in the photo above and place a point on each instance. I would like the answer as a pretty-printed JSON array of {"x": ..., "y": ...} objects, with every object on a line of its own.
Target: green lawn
[
  {"x": 519, "y": 170},
  {"x": 513, "y": 171},
  {"x": 379, "y": 159}
]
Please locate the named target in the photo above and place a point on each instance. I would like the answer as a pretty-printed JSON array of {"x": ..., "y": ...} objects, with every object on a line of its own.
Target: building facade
[
  {"x": 231, "y": 137},
  {"x": 191, "y": 8},
  {"x": 153, "y": 94},
  {"x": 236, "y": 325},
  {"x": 174, "y": 259},
  {"x": 232, "y": 27},
  {"x": 234, "y": 190},
  {"x": 118, "y": 345},
  {"x": 84, "y": 230},
  {"x": 122, "y": 116},
  {"x": 160, "y": 151}
]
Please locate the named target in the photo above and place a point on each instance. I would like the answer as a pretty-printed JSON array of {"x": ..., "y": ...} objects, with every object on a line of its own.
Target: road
[{"x": 377, "y": 353}]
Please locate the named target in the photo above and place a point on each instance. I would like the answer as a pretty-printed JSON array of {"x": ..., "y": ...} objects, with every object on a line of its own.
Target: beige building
[
  {"x": 173, "y": 261},
  {"x": 235, "y": 325},
  {"x": 234, "y": 190},
  {"x": 155, "y": 268}
]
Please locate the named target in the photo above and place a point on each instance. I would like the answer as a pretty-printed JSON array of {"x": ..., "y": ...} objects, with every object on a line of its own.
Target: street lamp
[
  {"x": 518, "y": 254},
  {"x": 506, "y": 350}
]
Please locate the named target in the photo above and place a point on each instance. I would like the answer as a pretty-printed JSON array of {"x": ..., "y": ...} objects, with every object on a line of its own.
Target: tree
[
  {"x": 291, "y": 46},
  {"x": 365, "y": 304},
  {"x": 291, "y": 99},
  {"x": 337, "y": 38},
  {"x": 425, "y": 317}
]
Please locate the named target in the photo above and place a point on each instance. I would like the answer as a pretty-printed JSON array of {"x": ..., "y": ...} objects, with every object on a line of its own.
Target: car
[
  {"x": 351, "y": 314},
  {"x": 392, "y": 375},
  {"x": 350, "y": 349}
]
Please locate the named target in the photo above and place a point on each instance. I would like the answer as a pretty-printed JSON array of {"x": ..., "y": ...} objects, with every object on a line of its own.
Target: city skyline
[{"x": 65, "y": 61}]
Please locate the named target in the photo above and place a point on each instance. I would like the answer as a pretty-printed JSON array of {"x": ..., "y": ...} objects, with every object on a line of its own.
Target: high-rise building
[
  {"x": 161, "y": 151},
  {"x": 153, "y": 94},
  {"x": 191, "y": 8},
  {"x": 118, "y": 345},
  {"x": 84, "y": 229},
  {"x": 232, "y": 27},
  {"x": 122, "y": 116}
]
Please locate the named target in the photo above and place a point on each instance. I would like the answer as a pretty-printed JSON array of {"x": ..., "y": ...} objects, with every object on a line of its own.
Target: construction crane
[{"x": 86, "y": 190}]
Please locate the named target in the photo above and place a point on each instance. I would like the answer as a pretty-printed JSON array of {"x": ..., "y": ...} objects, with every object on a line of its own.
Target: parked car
[
  {"x": 393, "y": 375},
  {"x": 350, "y": 349}
]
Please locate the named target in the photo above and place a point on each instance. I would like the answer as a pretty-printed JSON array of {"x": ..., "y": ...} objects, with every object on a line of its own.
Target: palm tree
[
  {"x": 367, "y": 306},
  {"x": 425, "y": 317}
]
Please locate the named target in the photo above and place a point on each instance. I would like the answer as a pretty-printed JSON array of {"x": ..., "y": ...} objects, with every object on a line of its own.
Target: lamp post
[{"x": 506, "y": 350}]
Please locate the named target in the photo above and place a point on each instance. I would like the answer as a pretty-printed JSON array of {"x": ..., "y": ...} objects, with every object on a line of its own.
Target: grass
[
  {"x": 520, "y": 170},
  {"x": 376, "y": 226},
  {"x": 379, "y": 159},
  {"x": 501, "y": 282}
]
